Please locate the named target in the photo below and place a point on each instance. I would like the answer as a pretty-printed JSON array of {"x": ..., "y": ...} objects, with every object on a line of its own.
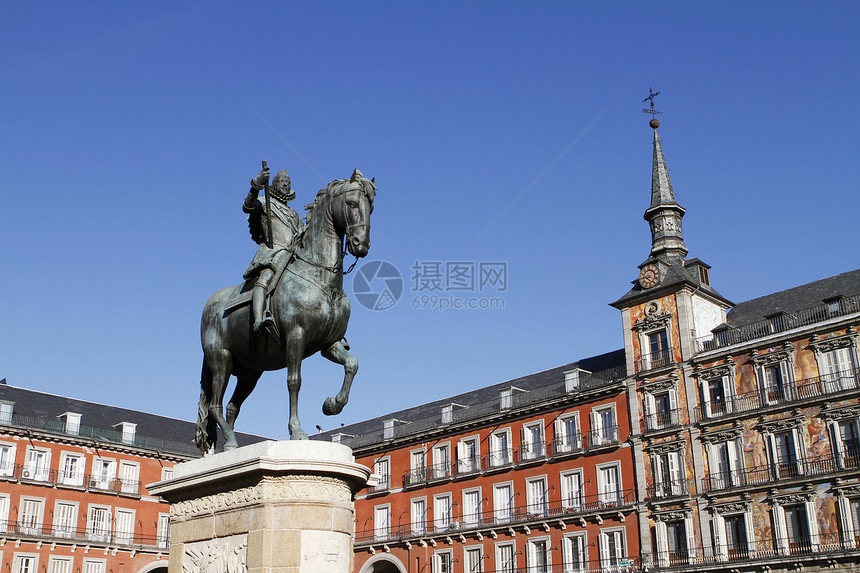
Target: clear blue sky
[{"x": 496, "y": 131}]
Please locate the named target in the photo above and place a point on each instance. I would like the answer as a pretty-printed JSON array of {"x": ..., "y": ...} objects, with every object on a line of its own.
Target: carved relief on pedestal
[
  {"x": 270, "y": 488},
  {"x": 220, "y": 555}
]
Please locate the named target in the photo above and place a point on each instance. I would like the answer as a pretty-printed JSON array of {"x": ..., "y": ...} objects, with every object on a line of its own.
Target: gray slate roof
[
  {"x": 36, "y": 409},
  {"x": 794, "y": 299}
]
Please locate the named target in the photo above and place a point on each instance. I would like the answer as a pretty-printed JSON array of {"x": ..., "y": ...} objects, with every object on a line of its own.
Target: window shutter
[
  {"x": 772, "y": 454},
  {"x": 562, "y": 440},
  {"x": 749, "y": 530},
  {"x": 798, "y": 452},
  {"x": 732, "y": 452},
  {"x": 461, "y": 456},
  {"x": 729, "y": 392},
  {"x": 720, "y": 542},
  {"x": 691, "y": 538},
  {"x": 674, "y": 459},
  {"x": 846, "y": 523},
  {"x": 593, "y": 430},
  {"x": 603, "y": 540},
  {"x": 662, "y": 544},
  {"x": 836, "y": 442},
  {"x": 651, "y": 410},
  {"x": 781, "y": 529},
  {"x": 812, "y": 520},
  {"x": 657, "y": 469}
]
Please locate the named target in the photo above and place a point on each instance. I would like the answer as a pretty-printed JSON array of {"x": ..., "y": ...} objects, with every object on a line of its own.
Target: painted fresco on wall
[
  {"x": 816, "y": 437},
  {"x": 825, "y": 509},
  {"x": 761, "y": 521}
]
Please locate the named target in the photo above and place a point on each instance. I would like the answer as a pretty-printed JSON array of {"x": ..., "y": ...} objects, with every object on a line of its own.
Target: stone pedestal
[{"x": 272, "y": 507}]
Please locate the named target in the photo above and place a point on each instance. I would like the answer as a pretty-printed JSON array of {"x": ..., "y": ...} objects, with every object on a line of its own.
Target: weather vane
[{"x": 651, "y": 95}]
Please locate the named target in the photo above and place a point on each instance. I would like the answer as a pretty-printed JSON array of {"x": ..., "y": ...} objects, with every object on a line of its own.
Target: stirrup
[{"x": 267, "y": 324}]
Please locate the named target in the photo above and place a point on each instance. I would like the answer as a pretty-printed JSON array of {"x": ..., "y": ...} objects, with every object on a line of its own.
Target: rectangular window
[
  {"x": 25, "y": 564},
  {"x": 30, "y": 516},
  {"x": 98, "y": 523},
  {"x": 72, "y": 469},
  {"x": 443, "y": 562},
  {"x": 668, "y": 480},
  {"x": 468, "y": 456},
  {"x": 472, "y": 507},
  {"x": 4, "y": 513},
  {"x": 474, "y": 559},
  {"x": 536, "y": 497},
  {"x": 677, "y": 542},
  {"x": 161, "y": 537},
  {"x": 166, "y": 473},
  {"x": 665, "y": 411},
  {"x": 736, "y": 537},
  {"x": 609, "y": 486},
  {"x": 500, "y": 448},
  {"x": 93, "y": 566},
  {"x": 848, "y": 444},
  {"x": 659, "y": 352},
  {"x": 382, "y": 469},
  {"x": 532, "y": 442},
  {"x": 506, "y": 399},
  {"x": 124, "y": 530},
  {"x": 718, "y": 396},
  {"x": 128, "y": 432},
  {"x": 65, "y": 519},
  {"x": 441, "y": 461},
  {"x": 785, "y": 455},
  {"x": 538, "y": 556},
  {"x": 503, "y": 502},
  {"x": 60, "y": 565},
  {"x": 612, "y": 551},
  {"x": 567, "y": 437},
  {"x": 603, "y": 426},
  {"x": 418, "y": 511},
  {"x": 573, "y": 554},
  {"x": 775, "y": 384},
  {"x": 572, "y": 491},
  {"x": 442, "y": 512},
  {"x": 7, "y": 460},
  {"x": 724, "y": 468},
  {"x": 382, "y": 522},
  {"x": 36, "y": 466},
  {"x": 839, "y": 370},
  {"x": 128, "y": 477},
  {"x": 73, "y": 423},
  {"x": 104, "y": 473},
  {"x": 6, "y": 412},
  {"x": 417, "y": 468},
  {"x": 797, "y": 528},
  {"x": 447, "y": 414},
  {"x": 505, "y": 558}
]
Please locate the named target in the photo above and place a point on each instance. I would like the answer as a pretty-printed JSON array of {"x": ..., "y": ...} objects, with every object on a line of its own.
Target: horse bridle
[{"x": 347, "y": 235}]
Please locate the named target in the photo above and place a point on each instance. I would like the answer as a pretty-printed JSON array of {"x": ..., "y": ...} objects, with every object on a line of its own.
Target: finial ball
[{"x": 654, "y": 123}]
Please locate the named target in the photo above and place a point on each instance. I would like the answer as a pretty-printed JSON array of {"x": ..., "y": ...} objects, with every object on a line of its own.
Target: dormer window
[
  {"x": 6, "y": 412},
  {"x": 128, "y": 432},
  {"x": 73, "y": 423},
  {"x": 388, "y": 429},
  {"x": 573, "y": 378},
  {"x": 447, "y": 413},
  {"x": 704, "y": 275},
  {"x": 834, "y": 306},
  {"x": 506, "y": 399},
  {"x": 777, "y": 322}
]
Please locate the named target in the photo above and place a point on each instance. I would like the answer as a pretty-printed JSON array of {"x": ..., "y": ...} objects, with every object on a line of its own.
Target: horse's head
[{"x": 351, "y": 209}]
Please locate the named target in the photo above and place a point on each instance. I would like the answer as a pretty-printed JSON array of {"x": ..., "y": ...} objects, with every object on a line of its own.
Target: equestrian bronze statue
[{"x": 307, "y": 310}]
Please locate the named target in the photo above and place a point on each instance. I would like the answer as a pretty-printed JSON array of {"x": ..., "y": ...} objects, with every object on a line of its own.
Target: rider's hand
[{"x": 262, "y": 179}]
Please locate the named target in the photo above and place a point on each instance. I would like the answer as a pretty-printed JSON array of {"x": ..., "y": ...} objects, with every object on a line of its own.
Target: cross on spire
[{"x": 651, "y": 95}]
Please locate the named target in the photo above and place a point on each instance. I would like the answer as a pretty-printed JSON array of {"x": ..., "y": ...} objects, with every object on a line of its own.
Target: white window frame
[
  {"x": 537, "y": 496},
  {"x": 72, "y": 425},
  {"x": 162, "y": 535},
  {"x": 600, "y": 434},
  {"x": 128, "y": 431},
  {"x": 31, "y": 515},
  {"x": 838, "y": 368},
  {"x": 382, "y": 522},
  {"x": 607, "y": 495},
  {"x": 129, "y": 477},
  {"x": 501, "y": 454},
  {"x": 469, "y": 553},
  {"x": 564, "y": 441},
  {"x": 533, "y": 449},
  {"x": 25, "y": 563},
  {"x": 418, "y": 515},
  {"x": 671, "y": 463},
  {"x": 572, "y": 490},
  {"x": 55, "y": 561},
  {"x": 124, "y": 520},
  {"x": 441, "y": 463},
  {"x": 7, "y": 410},
  {"x": 648, "y": 359},
  {"x": 5, "y": 504},
  {"x": 166, "y": 473},
  {"x": 442, "y": 561},
  {"x": 783, "y": 539},
  {"x": 94, "y": 565},
  {"x": 536, "y": 546},
  {"x": 469, "y": 454},
  {"x": 653, "y": 416},
  {"x": 471, "y": 508},
  {"x": 503, "y": 502},
  {"x": 7, "y": 459},
  {"x": 65, "y": 518},
  {"x": 687, "y": 553},
  {"x": 503, "y": 566},
  {"x": 382, "y": 471},
  {"x": 99, "y": 529},
  {"x": 103, "y": 474},
  {"x": 782, "y": 363},
  {"x": 72, "y": 468},
  {"x": 574, "y": 551},
  {"x": 506, "y": 398},
  {"x": 791, "y": 468},
  {"x": 613, "y": 547},
  {"x": 37, "y": 468},
  {"x": 443, "y": 511},
  {"x": 447, "y": 413}
]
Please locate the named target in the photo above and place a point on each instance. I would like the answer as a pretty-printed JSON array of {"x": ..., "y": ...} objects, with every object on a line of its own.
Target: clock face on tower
[{"x": 649, "y": 276}]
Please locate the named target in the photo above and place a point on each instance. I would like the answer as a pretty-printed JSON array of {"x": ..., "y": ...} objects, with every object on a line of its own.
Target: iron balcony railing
[
  {"x": 502, "y": 516},
  {"x": 777, "y": 548},
  {"x": 107, "y": 535},
  {"x": 663, "y": 420},
  {"x": 657, "y": 359},
  {"x": 789, "y": 392},
  {"x": 530, "y": 453},
  {"x": 670, "y": 488},
  {"x": 35, "y": 474},
  {"x": 611, "y": 565},
  {"x": 53, "y": 425},
  {"x": 756, "y": 330},
  {"x": 790, "y": 469}
]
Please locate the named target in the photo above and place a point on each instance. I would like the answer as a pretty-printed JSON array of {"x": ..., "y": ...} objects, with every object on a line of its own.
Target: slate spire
[{"x": 664, "y": 215}]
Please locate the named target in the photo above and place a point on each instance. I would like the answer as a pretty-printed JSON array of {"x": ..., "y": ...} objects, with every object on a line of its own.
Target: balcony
[
  {"x": 28, "y": 474},
  {"x": 654, "y": 360},
  {"x": 383, "y": 483},
  {"x": 574, "y": 444},
  {"x": 506, "y": 516},
  {"x": 663, "y": 420},
  {"x": 603, "y": 437},
  {"x": 90, "y": 535},
  {"x": 756, "y": 330},
  {"x": 788, "y": 393},
  {"x": 671, "y": 488},
  {"x": 794, "y": 469},
  {"x": 767, "y": 553}
]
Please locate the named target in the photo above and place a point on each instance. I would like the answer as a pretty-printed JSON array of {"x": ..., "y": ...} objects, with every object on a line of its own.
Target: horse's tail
[{"x": 207, "y": 429}]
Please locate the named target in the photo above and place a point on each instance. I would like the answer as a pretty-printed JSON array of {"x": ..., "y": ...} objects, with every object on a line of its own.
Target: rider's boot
[{"x": 262, "y": 317}]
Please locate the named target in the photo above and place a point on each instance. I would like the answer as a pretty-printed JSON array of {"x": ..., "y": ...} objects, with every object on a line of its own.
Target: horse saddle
[{"x": 243, "y": 293}]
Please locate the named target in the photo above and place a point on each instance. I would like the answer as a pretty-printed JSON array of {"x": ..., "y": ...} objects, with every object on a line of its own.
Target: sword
[{"x": 270, "y": 241}]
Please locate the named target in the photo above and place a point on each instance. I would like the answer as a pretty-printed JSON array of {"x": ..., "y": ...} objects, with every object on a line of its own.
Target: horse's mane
[{"x": 365, "y": 184}]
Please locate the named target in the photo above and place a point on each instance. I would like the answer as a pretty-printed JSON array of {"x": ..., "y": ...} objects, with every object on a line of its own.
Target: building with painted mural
[
  {"x": 722, "y": 436},
  {"x": 73, "y": 477}
]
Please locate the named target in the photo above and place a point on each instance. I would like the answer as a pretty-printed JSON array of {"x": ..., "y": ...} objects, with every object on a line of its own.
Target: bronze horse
[{"x": 311, "y": 313}]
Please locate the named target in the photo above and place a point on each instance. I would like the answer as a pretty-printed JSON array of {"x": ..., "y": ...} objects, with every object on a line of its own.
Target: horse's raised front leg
[
  {"x": 221, "y": 364},
  {"x": 294, "y": 384},
  {"x": 337, "y": 353}
]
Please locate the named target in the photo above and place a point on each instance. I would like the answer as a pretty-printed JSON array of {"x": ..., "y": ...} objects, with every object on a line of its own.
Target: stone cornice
[
  {"x": 819, "y": 345},
  {"x": 722, "y": 435},
  {"x": 835, "y": 414},
  {"x": 781, "y": 425},
  {"x": 716, "y": 372},
  {"x": 666, "y": 447},
  {"x": 783, "y": 354},
  {"x": 652, "y": 322}
]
